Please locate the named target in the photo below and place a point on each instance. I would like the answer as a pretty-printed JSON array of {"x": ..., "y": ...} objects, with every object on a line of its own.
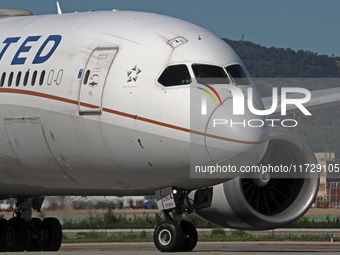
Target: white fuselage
[{"x": 120, "y": 133}]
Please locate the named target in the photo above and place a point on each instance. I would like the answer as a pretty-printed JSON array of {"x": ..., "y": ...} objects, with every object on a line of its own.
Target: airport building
[{"x": 329, "y": 189}]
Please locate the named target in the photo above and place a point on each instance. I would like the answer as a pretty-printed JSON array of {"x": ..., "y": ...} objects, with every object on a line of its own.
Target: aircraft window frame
[
  {"x": 172, "y": 76},
  {"x": 10, "y": 79},
  {"x": 50, "y": 77},
  {"x": 3, "y": 78},
  {"x": 34, "y": 78},
  {"x": 207, "y": 73},
  {"x": 22, "y": 77},
  {"x": 238, "y": 75},
  {"x": 27, "y": 74},
  {"x": 59, "y": 76},
  {"x": 17, "y": 82},
  {"x": 86, "y": 77},
  {"x": 15, "y": 79},
  {"x": 42, "y": 77}
]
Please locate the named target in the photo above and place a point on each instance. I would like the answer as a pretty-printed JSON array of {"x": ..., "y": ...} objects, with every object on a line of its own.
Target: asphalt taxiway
[{"x": 209, "y": 248}]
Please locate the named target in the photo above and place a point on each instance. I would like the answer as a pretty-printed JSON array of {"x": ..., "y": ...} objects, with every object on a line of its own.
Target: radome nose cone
[{"x": 235, "y": 138}]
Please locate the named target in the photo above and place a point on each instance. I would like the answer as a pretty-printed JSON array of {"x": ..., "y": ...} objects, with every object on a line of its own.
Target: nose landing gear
[
  {"x": 169, "y": 236},
  {"x": 175, "y": 234}
]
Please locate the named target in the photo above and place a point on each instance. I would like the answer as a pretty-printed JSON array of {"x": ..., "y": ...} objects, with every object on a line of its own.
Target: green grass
[
  {"x": 316, "y": 222},
  {"x": 110, "y": 220},
  {"x": 240, "y": 235},
  {"x": 103, "y": 237},
  {"x": 216, "y": 235}
]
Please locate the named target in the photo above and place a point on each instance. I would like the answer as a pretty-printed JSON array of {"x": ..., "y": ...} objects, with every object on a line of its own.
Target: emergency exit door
[{"x": 94, "y": 79}]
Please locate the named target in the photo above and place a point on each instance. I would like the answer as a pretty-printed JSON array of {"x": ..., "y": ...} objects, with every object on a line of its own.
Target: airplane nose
[
  {"x": 236, "y": 140},
  {"x": 221, "y": 137}
]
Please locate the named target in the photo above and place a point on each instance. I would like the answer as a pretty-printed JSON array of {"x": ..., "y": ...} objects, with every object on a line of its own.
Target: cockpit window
[
  {"x": 210, "y": 74},
  {"x": 238, "y": 74},
  {"x": 175, "y": 75}
]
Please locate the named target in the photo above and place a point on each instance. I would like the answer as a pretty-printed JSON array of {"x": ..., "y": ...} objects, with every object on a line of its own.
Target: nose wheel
[
  {"x": 190, "y": 236},
  {"x": 175, "y": 234},
  {"x": 169, "y": 236}
]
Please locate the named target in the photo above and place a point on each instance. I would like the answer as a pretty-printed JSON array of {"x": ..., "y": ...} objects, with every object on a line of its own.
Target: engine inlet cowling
[{"x": 267, "y": 201}]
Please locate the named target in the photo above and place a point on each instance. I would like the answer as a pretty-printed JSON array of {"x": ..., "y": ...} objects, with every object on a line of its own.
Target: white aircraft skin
[
  {"x": 84, "y": 113},
  {"x": 49, "y": 147}
]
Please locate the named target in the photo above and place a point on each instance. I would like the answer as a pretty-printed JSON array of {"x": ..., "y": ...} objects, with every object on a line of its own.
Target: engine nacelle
[{"x": 262, "y": 203}]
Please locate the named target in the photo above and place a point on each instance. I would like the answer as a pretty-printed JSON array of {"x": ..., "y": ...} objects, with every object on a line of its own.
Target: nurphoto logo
[{"x": 239, "y": 104}]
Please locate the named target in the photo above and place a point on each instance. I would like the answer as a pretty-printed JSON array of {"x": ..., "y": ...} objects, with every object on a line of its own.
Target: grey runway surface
[{"x": 212, "y": 248}]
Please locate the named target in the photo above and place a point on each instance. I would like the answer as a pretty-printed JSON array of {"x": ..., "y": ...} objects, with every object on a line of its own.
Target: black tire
[
  {"x": 190, "y": 236},
  {"x": 35, "y": 223},
  {"x": 34, "y": 227},
  {"x": 3, "y": 223},
  {"x": 168, "y": 237},
  {"x": 51, "y": 234},
  {"x": 16, "y": 235}
]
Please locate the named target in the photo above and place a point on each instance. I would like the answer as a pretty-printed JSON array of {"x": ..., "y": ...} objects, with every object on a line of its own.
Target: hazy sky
[{"x": 297, "y": 24}]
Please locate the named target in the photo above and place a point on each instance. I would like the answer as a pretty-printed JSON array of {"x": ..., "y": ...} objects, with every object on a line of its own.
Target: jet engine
[{"x": 268, "y": 200}]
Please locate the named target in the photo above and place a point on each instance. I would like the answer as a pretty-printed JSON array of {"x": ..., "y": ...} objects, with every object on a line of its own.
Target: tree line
[{"x": 321, "y": 130}]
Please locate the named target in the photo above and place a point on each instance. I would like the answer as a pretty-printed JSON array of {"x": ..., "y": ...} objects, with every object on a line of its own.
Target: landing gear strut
[
  {"x": 175, "y": 234},
  {"x": 22, "y": 232}
]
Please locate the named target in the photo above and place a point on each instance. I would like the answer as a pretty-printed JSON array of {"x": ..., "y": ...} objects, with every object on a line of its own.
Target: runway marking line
[{"x": 302, "y": 244}]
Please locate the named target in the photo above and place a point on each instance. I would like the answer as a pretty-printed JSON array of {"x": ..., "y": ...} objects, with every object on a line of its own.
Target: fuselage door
[{"x": 93, "y": 81}]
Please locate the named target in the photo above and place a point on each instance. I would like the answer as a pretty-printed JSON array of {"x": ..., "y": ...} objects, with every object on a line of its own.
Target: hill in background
[
  {"x": 263, "y": 62},
  {"x": 321, "y": 131}
]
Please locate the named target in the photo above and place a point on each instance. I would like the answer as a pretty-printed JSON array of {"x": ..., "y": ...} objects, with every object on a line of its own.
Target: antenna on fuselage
[{"x": 59, "y": 9}]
